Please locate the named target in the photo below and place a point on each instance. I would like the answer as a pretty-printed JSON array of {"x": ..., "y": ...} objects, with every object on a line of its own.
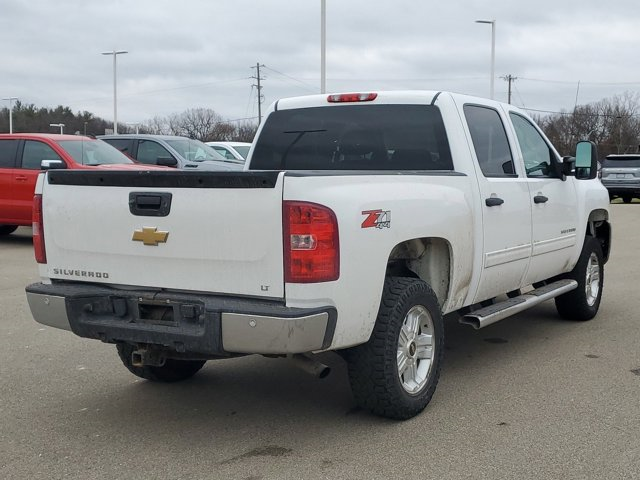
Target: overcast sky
[{"x": 190, "y": 54}]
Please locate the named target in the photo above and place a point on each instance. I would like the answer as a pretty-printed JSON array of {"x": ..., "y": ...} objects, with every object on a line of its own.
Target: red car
[{"x": 24, "y": 155}]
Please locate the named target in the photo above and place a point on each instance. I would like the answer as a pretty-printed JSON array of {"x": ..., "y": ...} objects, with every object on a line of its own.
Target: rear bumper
[{"x": 185, "y": 323}]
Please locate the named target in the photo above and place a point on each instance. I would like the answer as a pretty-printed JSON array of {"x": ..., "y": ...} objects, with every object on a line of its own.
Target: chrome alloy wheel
[
  {"x": 415, "y": 349},
  {"x": 592, "y": 283}
]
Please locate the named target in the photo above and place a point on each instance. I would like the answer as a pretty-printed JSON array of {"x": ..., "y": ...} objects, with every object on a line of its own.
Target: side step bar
[{"x": 499, "y": 311}]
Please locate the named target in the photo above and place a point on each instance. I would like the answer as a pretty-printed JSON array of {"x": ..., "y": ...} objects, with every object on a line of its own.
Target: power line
[
  {"x": 311, "y": 87},
  {"x": 573, "y": 82},
  {"x": 604, "y": 115}
]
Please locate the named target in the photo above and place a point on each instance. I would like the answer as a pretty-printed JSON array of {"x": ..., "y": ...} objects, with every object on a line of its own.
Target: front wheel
[
  {"x": 583, "y": 302},
  {"x": 172, "y": 370},
  {"x": 396, "y": 372}
]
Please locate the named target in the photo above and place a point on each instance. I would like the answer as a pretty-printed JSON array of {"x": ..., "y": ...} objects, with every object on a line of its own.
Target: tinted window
[
  {"x": 8, "y": 153},
  {"x": 538, "y": 157},
  {"x": 354, "y": 137},
  {"x": 489, "y": 141},
  {"x": 621, "y": 163},
  {"x": 122, "y": 144},
  {"x": 34, "y": 152},
  {"x": 149, "y": 152}
]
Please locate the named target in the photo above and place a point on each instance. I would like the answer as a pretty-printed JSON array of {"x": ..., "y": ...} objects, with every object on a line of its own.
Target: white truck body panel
[{"x": 220, "y": 240}]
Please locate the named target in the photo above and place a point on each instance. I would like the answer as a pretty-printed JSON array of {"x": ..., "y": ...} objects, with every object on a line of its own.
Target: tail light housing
[
  {"x": 311, "y": 243},
  {"x": 38, "y": 230},
  {"x": 352, "y": 97}
]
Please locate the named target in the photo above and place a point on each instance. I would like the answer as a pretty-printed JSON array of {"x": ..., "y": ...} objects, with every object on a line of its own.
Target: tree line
[
  {"x": 201, "y": 123},
  {"x": 613, "y": 124}
]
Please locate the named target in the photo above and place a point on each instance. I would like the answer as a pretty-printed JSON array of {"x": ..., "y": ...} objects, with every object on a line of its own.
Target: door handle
[
  {"x": 493, "y": 201},
  {"x": 540, "y": 199}
]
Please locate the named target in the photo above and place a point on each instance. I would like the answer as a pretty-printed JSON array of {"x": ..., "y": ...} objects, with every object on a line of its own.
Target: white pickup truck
[{"x": 359, "y": 221}]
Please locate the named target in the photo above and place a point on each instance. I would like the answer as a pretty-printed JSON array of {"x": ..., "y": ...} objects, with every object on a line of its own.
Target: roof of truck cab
[{"x": 397, "y": 97}]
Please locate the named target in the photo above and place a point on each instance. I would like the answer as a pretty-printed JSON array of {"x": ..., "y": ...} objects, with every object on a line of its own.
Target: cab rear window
[{"x": 354, "y": 137}]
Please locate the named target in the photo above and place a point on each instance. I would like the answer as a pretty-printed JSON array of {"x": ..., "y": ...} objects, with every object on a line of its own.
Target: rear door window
[
  {"x": 354, "y": 137},
  {"x": 8, "y": 149},
  {"x": 489, "y": 141},
  {"x": 34, "y": 152},
  {"x": 122, "y": 144}
]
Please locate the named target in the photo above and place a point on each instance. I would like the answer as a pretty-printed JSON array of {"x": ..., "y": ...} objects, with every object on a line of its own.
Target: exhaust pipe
[{"x": 310, "y": 365}]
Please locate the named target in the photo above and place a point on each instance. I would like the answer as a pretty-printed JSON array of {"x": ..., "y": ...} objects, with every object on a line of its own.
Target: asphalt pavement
[{"x": 531, "y": 397}]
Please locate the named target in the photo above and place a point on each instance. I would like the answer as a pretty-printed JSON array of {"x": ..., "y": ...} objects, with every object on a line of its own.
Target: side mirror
[
  {"x": 52, "y": 165},
  {"x": 167, "y": 162},
  {"x": 586, "y": 167}
]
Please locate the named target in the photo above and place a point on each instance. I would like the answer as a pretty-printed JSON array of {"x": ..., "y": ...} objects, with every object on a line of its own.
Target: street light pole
[
  {"x": 61, "y": 125},
  {"x": 115, "y": 53},
  {"x": 323, "y": 46},
  {"x": 493, "y": 52},
  {"x": 11, "y": 99}
]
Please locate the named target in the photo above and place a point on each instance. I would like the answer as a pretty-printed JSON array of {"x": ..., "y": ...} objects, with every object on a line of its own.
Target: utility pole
[
  {"x": 509, "y": 78},
  {"x": 259, "y": 88},
  {"x": 323, "y": 46}
]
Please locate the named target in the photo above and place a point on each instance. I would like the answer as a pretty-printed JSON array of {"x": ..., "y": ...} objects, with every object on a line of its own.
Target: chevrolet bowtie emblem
[{"x": 150, "y": 236}]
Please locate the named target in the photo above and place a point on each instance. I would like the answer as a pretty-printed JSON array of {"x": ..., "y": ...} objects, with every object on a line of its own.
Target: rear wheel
[
  {"x": 7, "y": 229},
  {"x": 396, "y": 372},
  {"x": 627, "y": 198},
  {"x": 172, "y": 370},
  {"x": 583, "y": 302}
]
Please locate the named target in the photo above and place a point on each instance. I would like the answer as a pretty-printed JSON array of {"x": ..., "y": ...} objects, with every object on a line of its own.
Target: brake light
[
  {"x": 351, "y": 97},
  {"x": 38, "y": 230},
  {"x": 311, "y": 244}
]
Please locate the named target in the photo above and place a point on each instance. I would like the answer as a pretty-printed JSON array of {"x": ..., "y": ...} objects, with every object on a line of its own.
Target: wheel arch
[
  {"x": 427, "y": 258},
  {"x": 598, "y": 226}
]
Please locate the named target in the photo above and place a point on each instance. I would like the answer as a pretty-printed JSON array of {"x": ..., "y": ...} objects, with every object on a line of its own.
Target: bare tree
[{"x": 613, "y": 124}]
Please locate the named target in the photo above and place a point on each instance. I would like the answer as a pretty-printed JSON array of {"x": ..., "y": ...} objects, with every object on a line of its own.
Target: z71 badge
[{"x": 377, "y": 219}]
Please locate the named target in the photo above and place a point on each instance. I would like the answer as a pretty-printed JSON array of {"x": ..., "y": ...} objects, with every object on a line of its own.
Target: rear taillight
[
  {"x": 38, "y": 230},
  {"x": 351, "y": 97},
  {"x": 311, "y": 246}
]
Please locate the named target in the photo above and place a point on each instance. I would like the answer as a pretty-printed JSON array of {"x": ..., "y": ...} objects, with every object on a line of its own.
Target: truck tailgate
[{"x": 212, "y": 231}]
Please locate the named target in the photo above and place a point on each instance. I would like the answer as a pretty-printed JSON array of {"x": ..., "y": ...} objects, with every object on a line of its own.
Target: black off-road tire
[
  {"x": 575, "y": 305},
  {"x": 172, "y": 370},
  {"x": 373, "y": 366},
  {"x": 627, "y": 198},
  {"x": 7, "y": 229}
]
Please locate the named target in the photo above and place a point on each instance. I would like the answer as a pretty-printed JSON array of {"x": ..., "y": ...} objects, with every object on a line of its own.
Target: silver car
[
  {"x": 171, "y": 151},
  {"x": 621, "y": 176}
]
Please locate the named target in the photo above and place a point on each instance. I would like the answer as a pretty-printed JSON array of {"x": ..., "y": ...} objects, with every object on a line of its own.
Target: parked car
[
  {"x": 170, "y": 151},
  {"x": 621, "y": 176},
  {"x": 24, "y": 155},
  {"x": 233, "y": 151}
]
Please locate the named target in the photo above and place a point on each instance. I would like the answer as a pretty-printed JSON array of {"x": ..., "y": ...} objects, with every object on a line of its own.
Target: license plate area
[{"x": 158, "y": 313}]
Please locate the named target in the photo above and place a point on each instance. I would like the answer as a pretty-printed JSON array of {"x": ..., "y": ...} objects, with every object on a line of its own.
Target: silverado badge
[{"x": 150, "y": 236}]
